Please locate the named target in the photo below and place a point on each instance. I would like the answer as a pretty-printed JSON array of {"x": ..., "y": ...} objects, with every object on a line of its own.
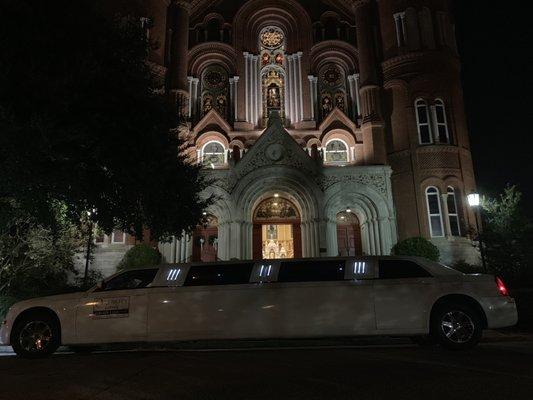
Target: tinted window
[
  {"x": 131, "y": 280},
  {"x": 231, "y": 274},
  {"x": 311, "y": 271},
  {"x": 397, "y": 269}
]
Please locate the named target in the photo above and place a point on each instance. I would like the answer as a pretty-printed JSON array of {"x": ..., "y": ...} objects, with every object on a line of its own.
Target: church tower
[{"x": 427, "y": 138}]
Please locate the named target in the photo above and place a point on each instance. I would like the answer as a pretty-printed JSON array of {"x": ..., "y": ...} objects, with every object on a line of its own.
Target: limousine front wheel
[
  {"x": 457, "y": 326},
  {"x": 35, "y": 335}
]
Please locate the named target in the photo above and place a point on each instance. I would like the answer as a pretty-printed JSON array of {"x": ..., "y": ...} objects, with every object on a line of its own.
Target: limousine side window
[
  {"x": 228, "y": 274},
  {"x": 312, "y": 271},
  {"x": 136, "y": 279},
  {"x": 399, "y": 269}
]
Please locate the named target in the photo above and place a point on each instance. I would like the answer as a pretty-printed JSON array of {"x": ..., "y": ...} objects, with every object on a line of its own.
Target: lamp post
[
  {"x": 474, "y": 203},
  {"x": 89, "y": 245}
]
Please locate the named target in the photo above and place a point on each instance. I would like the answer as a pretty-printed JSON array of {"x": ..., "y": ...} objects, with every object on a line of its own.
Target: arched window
[
  {"x": 422, "y": 122},
  {"x": 434, "y": 212},
  {"x": 215, "y": 90},
  {"x": 213, "y": 154},
  {"x": 332, "y": 84},
  {"x": 272, "y": 53},
  {"x": 213, "y": 29},
  {"x": 453, "y": 213},
  {"x": 441, "y": 122},
  {"x": 336, "y": 152}
]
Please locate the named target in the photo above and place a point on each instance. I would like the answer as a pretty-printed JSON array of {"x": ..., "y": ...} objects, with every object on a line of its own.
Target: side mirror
[{"x": 100, "y": 286}]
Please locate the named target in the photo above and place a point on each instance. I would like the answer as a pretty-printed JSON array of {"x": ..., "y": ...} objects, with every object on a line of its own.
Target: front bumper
[{"x": 500, "y": 311}]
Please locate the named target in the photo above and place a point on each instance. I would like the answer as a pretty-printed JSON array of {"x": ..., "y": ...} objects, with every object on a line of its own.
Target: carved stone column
[
  {"x": 331, "y": 237},
  {"x": 178, "y": 24},
  {"x": 313, "y": 80},
  {"x": 353, "y": 83},
  {"x": 233, "y": 96},
  {"x": 372, "y": 125}
]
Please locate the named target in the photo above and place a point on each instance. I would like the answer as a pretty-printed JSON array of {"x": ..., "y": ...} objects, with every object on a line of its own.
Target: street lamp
[
  {"x": 473, "y": 200},
  {"x": 89, "y": 245},
  {"x": 474, "y": 203}
]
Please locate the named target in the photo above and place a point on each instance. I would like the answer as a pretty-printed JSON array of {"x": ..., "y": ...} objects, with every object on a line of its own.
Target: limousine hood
[{"x": 47, "y": 300}]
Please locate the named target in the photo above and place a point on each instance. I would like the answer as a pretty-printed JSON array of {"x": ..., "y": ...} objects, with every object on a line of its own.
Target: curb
[{"x": 491, "y": 336}]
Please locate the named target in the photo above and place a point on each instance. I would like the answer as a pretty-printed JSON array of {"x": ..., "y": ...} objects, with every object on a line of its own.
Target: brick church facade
[{"x": 333, "y": 127}]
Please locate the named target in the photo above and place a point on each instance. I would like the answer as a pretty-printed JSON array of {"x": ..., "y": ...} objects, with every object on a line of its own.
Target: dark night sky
[{"x": 495, "y": 43}]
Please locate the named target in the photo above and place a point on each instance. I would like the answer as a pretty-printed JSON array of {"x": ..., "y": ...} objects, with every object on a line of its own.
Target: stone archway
[
  {"x": 276, "y": 229},
  {"x": 374, "y": 211},
  {"x": 290, "y": 184}
]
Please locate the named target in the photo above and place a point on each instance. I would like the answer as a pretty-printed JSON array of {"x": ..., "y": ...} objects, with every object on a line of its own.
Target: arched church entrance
[
  {"x": 205, "y": 240},
  {"x": 277, "y": 230},
  {"x": 349, "y": 234}
]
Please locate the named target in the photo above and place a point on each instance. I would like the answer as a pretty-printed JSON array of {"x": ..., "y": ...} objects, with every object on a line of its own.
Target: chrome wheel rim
[
  {"x": 35, "y": 336},
  {"x": 457, "y": 326}
]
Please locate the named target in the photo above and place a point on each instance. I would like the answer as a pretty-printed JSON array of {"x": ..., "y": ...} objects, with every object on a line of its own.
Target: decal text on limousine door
[{"x": 114, "y": 307}]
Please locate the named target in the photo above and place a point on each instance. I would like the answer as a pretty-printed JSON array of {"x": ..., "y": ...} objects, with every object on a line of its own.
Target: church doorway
[
  {"x": 277, "y": 230},
  {"x": 349, "y": 234},
  {"x": 205, "y": 240}
]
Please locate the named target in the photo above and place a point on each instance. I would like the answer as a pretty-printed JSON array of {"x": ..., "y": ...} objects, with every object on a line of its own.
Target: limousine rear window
[
  {"x": 311, "y": 271},
  {"x": 227, "y": 274},
  {"x": 399, "y": 269}
]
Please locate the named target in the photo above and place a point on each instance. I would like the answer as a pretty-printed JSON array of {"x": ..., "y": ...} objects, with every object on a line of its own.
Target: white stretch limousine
[{"x": 267, "y": 299}]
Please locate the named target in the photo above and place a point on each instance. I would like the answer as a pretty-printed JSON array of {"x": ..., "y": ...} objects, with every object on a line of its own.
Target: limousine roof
[{"x": 433, "y": 267}]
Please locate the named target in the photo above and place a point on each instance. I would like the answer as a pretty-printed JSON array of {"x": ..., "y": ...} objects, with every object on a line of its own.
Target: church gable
[
  {"x": 275, "y": 147},
  {"x": 337, "y": 120},
  {"x": 211, "y": 120}
]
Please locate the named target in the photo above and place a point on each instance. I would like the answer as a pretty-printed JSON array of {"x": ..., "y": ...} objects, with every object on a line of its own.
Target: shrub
[
  {"x": 417, "y": 246},
  {"x": 140, "y": 255},
  {"x": 35, "y": 260}
]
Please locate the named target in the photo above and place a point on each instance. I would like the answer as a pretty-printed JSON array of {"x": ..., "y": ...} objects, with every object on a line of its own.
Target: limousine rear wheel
[
  {"x": 35, "y": 335},
  {"x": 457, "y": 326}
]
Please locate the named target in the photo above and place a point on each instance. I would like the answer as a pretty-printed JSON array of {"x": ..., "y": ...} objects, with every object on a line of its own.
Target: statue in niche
[
  {"x": 273, "y": 98},
  {"x": 208, "y": 104},
  {"x": 279, "y": 59},
  {"x": 327, "y": 105},
  {"x": 265, "y": 59},
  {"x": 339, "y": 101},
  {"x": 221, "y": 104},
  {"x": 272, "y": 232}
]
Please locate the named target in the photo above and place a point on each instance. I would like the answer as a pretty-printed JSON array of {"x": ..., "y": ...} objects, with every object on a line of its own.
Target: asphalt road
[{"x": 491, "y": 371}]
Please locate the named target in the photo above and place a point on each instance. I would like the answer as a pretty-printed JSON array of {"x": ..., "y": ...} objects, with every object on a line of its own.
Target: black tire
[
  {"x": 456, "y": 326},
  {"x": 46, "y": 338}
]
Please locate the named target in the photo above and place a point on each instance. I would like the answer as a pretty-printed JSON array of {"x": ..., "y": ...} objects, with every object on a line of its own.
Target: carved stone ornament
[
  {"x": 377, "y": 181},
  {"x": 275, "y": 152}
]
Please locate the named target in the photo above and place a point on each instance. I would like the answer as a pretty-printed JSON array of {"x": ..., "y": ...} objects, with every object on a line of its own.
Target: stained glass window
[
  {"x": 272, "y": 38},
  {"x": 336, "y": 152}
]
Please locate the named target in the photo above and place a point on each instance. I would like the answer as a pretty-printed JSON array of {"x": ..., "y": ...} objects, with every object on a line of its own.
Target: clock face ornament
[
  {"x": 332, "y": 76},
  {"x": 275, "y": 152},
  {"x": 215, "y": 79}
]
